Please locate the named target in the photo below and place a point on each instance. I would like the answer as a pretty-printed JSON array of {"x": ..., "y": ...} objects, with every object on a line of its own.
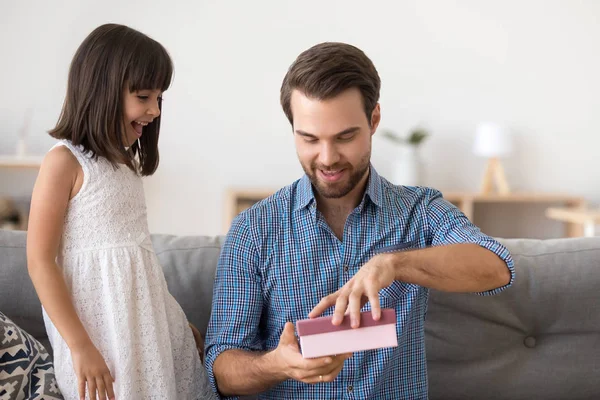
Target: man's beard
[{"x": 337, "y": 190}]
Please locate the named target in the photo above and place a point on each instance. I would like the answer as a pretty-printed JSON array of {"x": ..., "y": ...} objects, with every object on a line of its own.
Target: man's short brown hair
[{"x": 326, "y": 70}]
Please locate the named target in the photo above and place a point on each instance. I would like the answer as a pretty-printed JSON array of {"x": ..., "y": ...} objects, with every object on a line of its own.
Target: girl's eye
[{"x": 141, "y": 97}]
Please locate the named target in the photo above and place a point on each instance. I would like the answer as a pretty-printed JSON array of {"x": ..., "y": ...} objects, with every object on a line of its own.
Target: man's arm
[
  {"x": 236, "y": 361},
  {"x": 462, "y": 260},
  {"x": 484, "y": 263},
  {"x": 235, "y": 317},
  {"x": 246, "y": 373},
  {"x": 240, "y": 372},
  {"x": 463, "y": 267}
]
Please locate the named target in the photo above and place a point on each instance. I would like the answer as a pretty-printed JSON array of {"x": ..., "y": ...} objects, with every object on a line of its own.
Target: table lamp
[{"x": 493, "y": 142}]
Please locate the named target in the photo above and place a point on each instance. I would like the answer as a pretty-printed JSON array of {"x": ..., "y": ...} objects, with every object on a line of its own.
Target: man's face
[{"x": 333, "y": 140}]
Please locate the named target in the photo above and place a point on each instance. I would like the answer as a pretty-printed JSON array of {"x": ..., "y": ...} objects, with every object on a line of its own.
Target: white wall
[{"x": 530, "y": 64}]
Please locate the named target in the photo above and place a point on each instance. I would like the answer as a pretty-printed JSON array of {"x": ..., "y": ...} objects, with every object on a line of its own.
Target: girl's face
[{"x": 140, "y": 109}]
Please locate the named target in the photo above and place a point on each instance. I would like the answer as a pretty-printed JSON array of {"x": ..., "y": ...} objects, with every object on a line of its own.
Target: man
[{"x": 339, "y": 236}]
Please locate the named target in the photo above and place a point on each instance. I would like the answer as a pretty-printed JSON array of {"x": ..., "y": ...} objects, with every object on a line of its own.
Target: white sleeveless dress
[{"x": 120, "y": 293}]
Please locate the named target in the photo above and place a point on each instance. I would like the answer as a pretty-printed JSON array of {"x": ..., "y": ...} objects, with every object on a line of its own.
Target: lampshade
[{"x": 492, "y": 140}]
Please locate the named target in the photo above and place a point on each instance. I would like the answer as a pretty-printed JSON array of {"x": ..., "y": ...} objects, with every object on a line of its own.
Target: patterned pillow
[{"x": 26, "y": 370}]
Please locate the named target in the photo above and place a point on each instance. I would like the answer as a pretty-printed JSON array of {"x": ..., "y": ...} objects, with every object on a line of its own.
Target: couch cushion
[
  {"x": 189, "y": 263},
  {"x": 538, "y": 339},
  {"x": 18, "y": 299},
  {"x": 26, "y": 370}
]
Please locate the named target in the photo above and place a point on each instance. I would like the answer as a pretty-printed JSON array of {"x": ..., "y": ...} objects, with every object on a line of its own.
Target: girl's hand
[
  {"x": 199, "y": 341},
  {"x": 91, "y": 370}
]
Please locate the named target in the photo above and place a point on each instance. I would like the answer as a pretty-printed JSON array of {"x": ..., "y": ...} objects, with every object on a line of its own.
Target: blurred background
[{"x": 519, "y": 74}]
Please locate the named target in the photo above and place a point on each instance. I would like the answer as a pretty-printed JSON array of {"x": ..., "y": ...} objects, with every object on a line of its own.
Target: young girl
[{"x": 115, "y": 330}]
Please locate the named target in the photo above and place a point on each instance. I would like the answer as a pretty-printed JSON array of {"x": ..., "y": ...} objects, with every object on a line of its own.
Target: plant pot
[{"x": 407, "y": 169}]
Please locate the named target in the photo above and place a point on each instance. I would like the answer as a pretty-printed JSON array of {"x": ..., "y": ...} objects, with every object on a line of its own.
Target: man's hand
[
  {"x": 375, "y": 275},
  {"x": 199, "y": 341},
  {"x": 294, "y": 366}
]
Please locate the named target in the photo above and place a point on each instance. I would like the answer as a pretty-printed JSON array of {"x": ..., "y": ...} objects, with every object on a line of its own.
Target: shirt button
[
  {"x": 345, "y": 268},
  {"x": 350, "y": 388}
]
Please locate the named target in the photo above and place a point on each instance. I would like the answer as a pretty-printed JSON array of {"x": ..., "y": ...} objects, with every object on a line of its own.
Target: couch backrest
[
  {"x": 538, "y": 339},
  {"x": 189, "y": 263}
]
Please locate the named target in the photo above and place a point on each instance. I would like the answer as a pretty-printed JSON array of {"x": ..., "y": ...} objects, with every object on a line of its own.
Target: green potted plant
[
  {"x": 407, "y": 168},
  {"x": 415, "y": 138}
]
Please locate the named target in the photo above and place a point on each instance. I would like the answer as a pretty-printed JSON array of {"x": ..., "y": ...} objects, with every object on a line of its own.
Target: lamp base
[{"x": 494, "y": 174}]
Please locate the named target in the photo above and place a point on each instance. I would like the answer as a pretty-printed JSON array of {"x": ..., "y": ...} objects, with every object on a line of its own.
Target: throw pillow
[{"x": 26, "y": 370}]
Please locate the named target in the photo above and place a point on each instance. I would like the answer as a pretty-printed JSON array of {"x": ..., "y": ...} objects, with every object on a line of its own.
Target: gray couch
[{"x": 539, "y": 339}]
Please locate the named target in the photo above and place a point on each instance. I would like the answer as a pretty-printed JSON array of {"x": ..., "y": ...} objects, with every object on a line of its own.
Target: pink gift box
[{"x": 319, "y": 337}]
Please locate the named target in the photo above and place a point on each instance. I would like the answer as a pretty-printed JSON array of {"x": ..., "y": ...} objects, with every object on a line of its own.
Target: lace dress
[{"x": 120, "y": 293}]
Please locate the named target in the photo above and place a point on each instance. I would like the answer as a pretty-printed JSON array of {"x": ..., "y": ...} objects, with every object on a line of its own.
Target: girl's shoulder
[
  {"x": 61, "y": 158},
  {"x": 61, "y": 167},
  {"x": 68, "y": 146},
  {"x": 78, "y": 153}
]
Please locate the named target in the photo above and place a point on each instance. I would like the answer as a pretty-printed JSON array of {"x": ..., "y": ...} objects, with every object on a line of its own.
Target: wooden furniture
[
  {"x": 467, "y": 201},
  {"x": 12, "y": 217},
  {"x": 583, "y": 217},
  {"x": 494, "y": 176},
  {"x": 240, "y": 199},
  {"x": 20, "y": 162},
  {"x": 23, "y": 163},
  {"x": 237, "y": 200}
]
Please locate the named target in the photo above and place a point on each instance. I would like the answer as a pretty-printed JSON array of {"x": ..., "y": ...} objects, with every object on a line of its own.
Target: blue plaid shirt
[{"x": 280, "y": 258}]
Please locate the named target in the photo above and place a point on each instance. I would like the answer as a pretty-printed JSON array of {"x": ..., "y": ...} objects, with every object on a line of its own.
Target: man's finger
[
  {"x": 373, "y": 296},
  {"x": 316, "y": 364},
  {"x": 323, "y": 305},
  {"x": 340, "y": 309},
  {"x": 326, "y": 374},
  {"x": 287, "y": 336},
  {"x": 354, "y": 307}
]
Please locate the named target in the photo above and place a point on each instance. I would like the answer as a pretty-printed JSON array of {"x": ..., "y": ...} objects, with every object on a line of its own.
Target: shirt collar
[
  {"x": 305, "y": 195},
  {"x": 374, "y": 188}
]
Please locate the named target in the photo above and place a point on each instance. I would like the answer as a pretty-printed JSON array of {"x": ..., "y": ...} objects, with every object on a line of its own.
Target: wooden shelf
[
  {"x": 574, "y": 215},
  {"x": 240, "y": 199},
  {"x": 466, "y": 202},
  {"x": 516, "y": 197},
  {"x": 587, "y": 218},
  {"x": 21, "y": 162}
]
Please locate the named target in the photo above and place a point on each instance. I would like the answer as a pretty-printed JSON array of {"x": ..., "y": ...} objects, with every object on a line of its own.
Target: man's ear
[{"x": 375, "y": 118}]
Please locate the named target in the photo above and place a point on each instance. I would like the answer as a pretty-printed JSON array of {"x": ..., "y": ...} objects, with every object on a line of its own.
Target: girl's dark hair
[{"x": 111, "y": 57}]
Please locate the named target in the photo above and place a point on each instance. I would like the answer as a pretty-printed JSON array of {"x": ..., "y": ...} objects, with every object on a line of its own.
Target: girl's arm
[{"x": 59, "y": 179}]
